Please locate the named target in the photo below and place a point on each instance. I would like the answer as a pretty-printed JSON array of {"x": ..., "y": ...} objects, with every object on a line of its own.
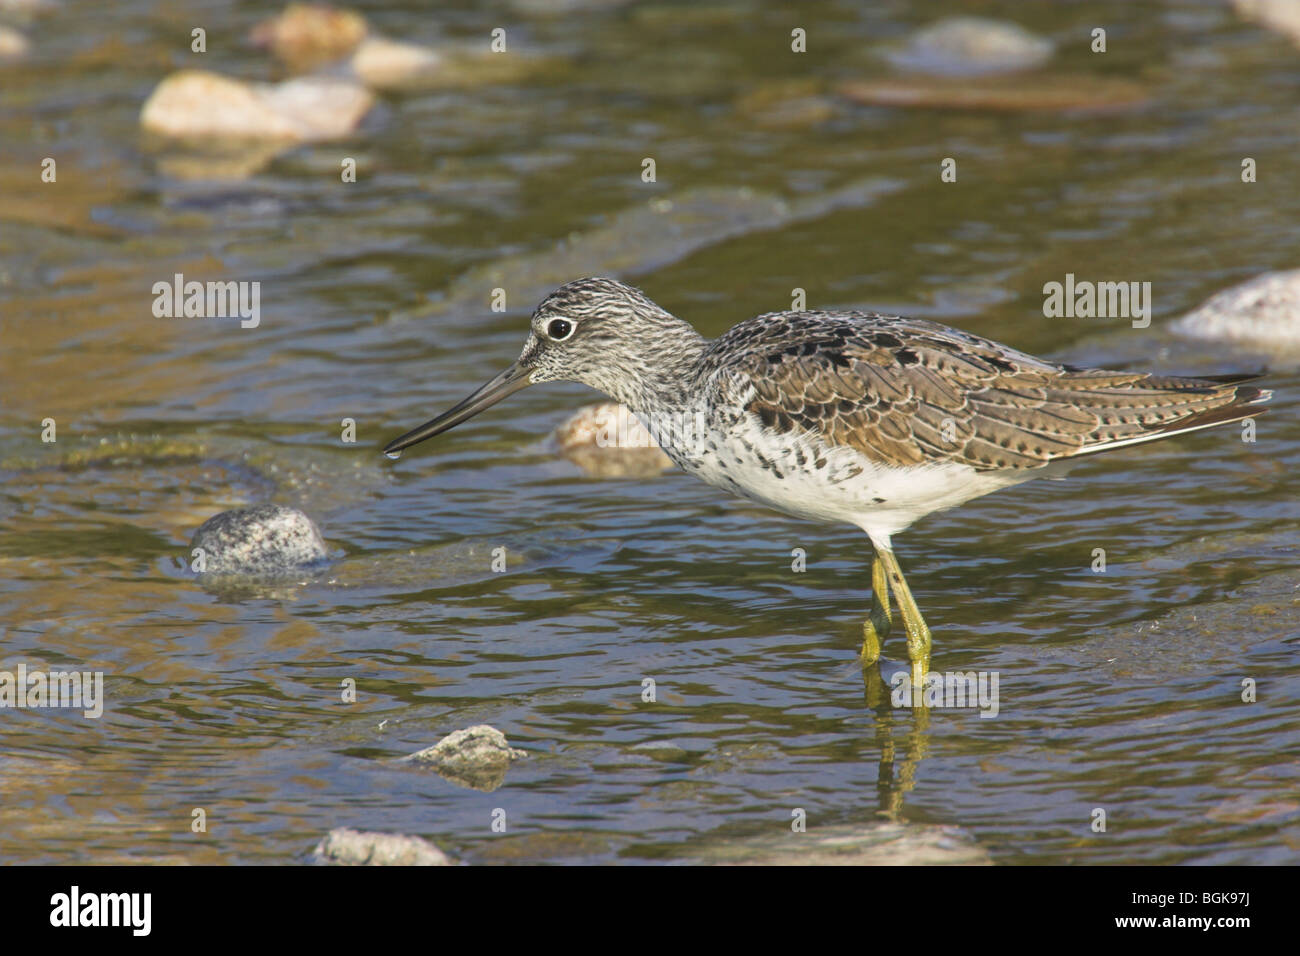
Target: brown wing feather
[{"x": 909, "y": 391}]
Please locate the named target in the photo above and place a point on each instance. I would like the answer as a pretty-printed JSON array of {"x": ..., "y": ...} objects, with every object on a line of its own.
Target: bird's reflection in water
[{"x": 902, "y": 736}]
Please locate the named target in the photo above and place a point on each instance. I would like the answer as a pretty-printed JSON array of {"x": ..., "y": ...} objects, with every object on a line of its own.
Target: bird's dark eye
[{"x": 559, "y": 329}]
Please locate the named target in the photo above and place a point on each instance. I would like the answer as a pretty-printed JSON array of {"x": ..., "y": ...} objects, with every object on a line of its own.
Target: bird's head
[{"x": 599, "y": 332}]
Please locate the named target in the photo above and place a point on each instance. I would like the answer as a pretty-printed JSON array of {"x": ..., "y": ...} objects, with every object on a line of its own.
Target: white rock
[
  {"x": 362, "y": 848},
  {"x": 1280, "y": 16},
  {"x": 196, "y": 104},
  {"x": 319, "y": 108},
  {"x": 383, "y": 64},
  {"x": 12, "y": 43},
  {"x": 1263, "y": 313},
  {"x": 476, "y": 757},
  {"x": 971, "y": 45},
  {"x": 607, "y": 441}
]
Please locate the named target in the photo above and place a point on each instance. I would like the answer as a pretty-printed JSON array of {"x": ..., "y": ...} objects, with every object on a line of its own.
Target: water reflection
[{"x": 900, "y": 759}]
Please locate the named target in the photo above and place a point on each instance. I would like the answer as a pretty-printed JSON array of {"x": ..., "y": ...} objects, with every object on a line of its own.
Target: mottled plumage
[
  {"x": 909, "y": 392},
  {"x": 850, "y": 416}
]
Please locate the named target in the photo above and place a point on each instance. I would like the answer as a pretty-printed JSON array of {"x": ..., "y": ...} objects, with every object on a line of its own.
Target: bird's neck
[{"x": 662, "y": 377}]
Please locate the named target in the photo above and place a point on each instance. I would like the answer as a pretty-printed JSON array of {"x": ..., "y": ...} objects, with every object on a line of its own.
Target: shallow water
[{"x": 1120, "y": 690}]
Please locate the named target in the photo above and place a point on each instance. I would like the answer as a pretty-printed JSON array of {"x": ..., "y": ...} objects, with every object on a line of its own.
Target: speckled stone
[
  {"x": 1261, "y": 313},
  {"x": 476, "y": 757},
  {"x": 268, "y": 539},
  {"x": 347, "y": 847}
]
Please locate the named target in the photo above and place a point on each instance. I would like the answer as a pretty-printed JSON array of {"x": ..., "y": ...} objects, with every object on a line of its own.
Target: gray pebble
[
  {"x": 965, "y": 46},
  {"x": 268, "y": 539}
]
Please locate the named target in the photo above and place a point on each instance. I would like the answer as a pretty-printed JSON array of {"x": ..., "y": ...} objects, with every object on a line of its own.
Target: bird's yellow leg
[
  {"x": 876, "y": 627},
  {"x": 918, "y": 634}
]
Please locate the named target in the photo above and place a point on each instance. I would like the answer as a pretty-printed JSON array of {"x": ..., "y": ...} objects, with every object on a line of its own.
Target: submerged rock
[
  {"x": 1262, "y": 313},
  {"x": 787, "y": 104},
  {"x": 643, "y": 238},
  {"x": 266, "y": 540},
  {"x": 218, "y": 165},
  {"x": 873, "y": 844},
  {"x": 607, "y": 441},
  {"x": 476, "y": 757},
  {"x": 1244, "y": 612},
  {"x": 966, "y": 46},
  {"x": 999, "y": 93},
  {"x": 347, "y": 847},
  {"x": 198, "y": 105}
]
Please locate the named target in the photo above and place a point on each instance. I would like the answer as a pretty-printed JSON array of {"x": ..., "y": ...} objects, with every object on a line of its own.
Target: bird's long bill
[{"x": 507, "y": 383}]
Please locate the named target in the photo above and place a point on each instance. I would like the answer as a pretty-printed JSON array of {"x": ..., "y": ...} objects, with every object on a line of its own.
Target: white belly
[{"x": 803, "y": 477}]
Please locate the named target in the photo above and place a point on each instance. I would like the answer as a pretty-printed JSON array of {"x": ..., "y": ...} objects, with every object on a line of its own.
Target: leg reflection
[{"x": 898, "y": 731}]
